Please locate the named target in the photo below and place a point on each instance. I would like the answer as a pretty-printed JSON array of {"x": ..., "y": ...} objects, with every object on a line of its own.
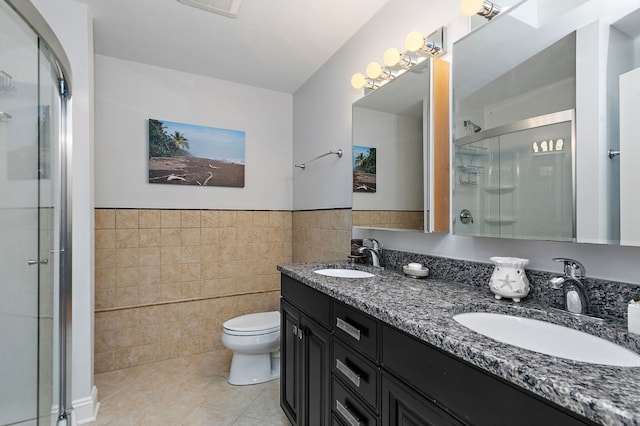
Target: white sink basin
[
  {"x": 344, "y": 273},
  {"x": 550, "y": 339}
]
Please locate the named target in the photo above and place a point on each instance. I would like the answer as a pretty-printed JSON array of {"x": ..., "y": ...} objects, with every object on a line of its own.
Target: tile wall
[
  {"x": 166, "y": 280},
  {"x": 320, "y": 235},
  {"x": 389, "y": 219}
]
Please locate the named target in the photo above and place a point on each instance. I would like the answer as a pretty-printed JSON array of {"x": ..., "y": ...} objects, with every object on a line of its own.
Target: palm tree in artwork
[
  {"x": 360, "y": 159},
  {"x": 180, "y": 141}
]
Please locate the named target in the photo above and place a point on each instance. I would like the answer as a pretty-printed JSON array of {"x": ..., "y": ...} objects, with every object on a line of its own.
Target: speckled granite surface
[
  {"x": 424, "y": 308},
  {"x": 606, "y": 298}
]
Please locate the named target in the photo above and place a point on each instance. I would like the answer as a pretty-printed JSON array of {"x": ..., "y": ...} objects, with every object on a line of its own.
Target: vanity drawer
[
  {"x": 313, "y": 303},
  {"x": 463, "y": 390},
  {"x": 336, "y": 421},
  {"x": 359, "y": 374},
  {"x": 348, "y": 409},
  {"x": 356, "y": 329}
]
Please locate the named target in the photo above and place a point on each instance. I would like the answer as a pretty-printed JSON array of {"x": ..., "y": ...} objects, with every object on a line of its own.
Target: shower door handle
[{"x": 32, "y": 262}]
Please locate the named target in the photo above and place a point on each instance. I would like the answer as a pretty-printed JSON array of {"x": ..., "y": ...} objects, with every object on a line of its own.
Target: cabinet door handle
[
  {"x": 350, "y": 418},
  {"x": 31, "y": 262},
  {"x": 348, "y": 328},
  {"x": 300, "y": 333},
  {"x": 295, "y": 330},
  {"x": 349, "y": 373}
]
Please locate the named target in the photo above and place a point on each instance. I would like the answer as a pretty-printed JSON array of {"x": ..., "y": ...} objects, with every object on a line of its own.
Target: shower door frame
[{"x": 30, "y": 15}]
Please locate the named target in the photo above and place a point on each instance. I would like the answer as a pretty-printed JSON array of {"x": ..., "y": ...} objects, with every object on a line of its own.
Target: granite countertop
[{"x": 425, "y": 308}]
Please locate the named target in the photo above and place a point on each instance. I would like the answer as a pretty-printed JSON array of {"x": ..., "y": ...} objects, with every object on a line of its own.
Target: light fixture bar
[
  {"x": 393, "y": 58},
  {"x": 484, "y": 8},
  {"x": 395, "y": 62},
  {"x": 359, "y": 81}
]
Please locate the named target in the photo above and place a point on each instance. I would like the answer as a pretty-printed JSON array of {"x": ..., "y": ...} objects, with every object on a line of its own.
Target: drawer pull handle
[
  {"x": 348, "y": 328},
  {"x": 349, "y": 373},
  {"x": 350, "y": 418}
]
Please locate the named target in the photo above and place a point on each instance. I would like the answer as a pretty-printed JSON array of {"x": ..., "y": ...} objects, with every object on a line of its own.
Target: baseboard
[{"x": 85, "y": 410}]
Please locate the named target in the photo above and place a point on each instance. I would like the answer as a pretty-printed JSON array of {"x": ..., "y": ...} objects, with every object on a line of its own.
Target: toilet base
[{"x": 250, "y": 369}]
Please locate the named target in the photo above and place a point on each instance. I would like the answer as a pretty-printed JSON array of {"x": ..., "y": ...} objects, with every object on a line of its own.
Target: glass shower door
[
  {"x": 28, "y": 153},
  {"x": 517, "y": 180}
]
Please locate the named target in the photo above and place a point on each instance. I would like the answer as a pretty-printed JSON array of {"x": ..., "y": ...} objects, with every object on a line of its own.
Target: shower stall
[
  {"x": 517, "y": 180},
  {"x": 35, "y": 249}
]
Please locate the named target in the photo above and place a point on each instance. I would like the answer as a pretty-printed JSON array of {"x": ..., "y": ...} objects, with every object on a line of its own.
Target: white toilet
[{"x": 255, "y": 342}]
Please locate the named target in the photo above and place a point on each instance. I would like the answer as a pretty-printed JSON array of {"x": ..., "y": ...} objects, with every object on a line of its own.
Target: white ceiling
[{"x": 273, "y": 44}]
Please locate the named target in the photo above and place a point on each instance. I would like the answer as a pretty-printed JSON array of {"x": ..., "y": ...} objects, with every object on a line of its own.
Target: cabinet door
[
  {"x": 402, "y": 406},
  {"x": 317, "y": 374},
  {"x": 290, "y": 358}
]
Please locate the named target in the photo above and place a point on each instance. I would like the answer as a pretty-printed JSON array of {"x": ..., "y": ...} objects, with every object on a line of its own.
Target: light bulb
[
  {"x": 471, "y": 7},
  {"x": 358, "y": 81},
  {"x": 374, "y": 70},
  {"x": 392, "y": 57},
  {"x": 414, "y": 41}
]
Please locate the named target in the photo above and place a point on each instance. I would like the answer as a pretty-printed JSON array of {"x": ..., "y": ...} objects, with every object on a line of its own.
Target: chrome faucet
[
  {"x": 575, "y": 295},
  {"x": 373, "y": 248}
]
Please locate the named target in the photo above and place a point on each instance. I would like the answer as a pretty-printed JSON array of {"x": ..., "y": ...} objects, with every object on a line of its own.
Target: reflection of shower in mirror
[
  {"x": 548, "y": 146},
  {"x": 5, "y": 82},
  {"x": 473, "y": 127}
]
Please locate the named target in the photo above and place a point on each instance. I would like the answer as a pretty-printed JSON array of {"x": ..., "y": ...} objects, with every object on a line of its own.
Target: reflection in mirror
[
  {"x": 401, "y": 152},
  {"x": 548, "y": 57},
  {"x": 495, "y": 167}
]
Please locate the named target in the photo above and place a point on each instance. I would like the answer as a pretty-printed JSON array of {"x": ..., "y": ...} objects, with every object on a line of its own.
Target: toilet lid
[{"x": 260, "y": 323}]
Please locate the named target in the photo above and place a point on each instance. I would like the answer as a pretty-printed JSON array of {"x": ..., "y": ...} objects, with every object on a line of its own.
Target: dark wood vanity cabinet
[
  {"x": 403, "y": 406},
  {"x": 344, "y": 367},
  {"x": 305, "y": 370},
  {"x": 465, "y": 392},
  {"x": 355, "y": 367}
]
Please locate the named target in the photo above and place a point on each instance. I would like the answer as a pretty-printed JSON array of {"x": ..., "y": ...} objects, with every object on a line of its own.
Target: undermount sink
[
  {"x": 548, "y": 338},
  {"x": 344, "y": 273}
]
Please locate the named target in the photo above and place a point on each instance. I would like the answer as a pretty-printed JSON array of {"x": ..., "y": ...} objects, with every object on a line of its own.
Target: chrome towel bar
[{"x": 304, "y": 165}]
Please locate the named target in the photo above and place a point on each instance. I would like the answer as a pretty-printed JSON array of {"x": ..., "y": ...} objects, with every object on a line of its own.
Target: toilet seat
[{"x": 253, "y": 324}]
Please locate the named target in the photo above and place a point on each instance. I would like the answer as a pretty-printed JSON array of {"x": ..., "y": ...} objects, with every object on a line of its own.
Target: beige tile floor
[{"x": 190, "y": 391}]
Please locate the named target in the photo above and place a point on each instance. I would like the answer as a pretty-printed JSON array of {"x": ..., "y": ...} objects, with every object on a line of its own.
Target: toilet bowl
[{"x": 255, "y": 342}]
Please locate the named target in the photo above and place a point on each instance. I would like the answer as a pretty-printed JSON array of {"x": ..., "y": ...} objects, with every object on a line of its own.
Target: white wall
[
  {"x": 322, "y": 106},
  {"x": 322, "y": 116},
  {"x": 129, "y": 93},
  {"x": 72, "y": 25}
]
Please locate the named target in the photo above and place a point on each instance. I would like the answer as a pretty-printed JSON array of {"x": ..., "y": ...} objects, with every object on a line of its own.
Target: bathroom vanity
[{"x": 386, "y": 350}]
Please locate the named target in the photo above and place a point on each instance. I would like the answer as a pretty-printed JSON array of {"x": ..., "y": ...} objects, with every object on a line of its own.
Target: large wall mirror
[
  {"x": 401, "y": 152},
  {"x": 543, "y": 133}
]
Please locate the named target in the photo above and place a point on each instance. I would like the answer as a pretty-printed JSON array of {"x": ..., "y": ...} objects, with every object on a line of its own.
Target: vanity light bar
[
  {"x": 484, "y": 8},
  {"x": 418, "y": 48}
]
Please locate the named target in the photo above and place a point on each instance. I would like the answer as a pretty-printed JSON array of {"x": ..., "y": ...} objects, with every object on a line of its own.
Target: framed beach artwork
[
  {"x": 364, "y": 169},
  {"x": 188, "y": 154}
]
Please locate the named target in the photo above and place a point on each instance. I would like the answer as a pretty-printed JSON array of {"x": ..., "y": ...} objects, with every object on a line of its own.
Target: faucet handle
[
  {"x": 572, "y": 267},
  {"x": 375, "y": 244}
]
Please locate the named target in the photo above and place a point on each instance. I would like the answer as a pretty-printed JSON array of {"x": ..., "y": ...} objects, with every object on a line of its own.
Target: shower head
[{"x": 472, "y": 126}]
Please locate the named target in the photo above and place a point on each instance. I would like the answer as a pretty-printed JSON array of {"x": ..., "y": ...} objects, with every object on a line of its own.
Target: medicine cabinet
[
  {"x": 535, "y": 60},
  {"x": 404, "y": 127}
]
